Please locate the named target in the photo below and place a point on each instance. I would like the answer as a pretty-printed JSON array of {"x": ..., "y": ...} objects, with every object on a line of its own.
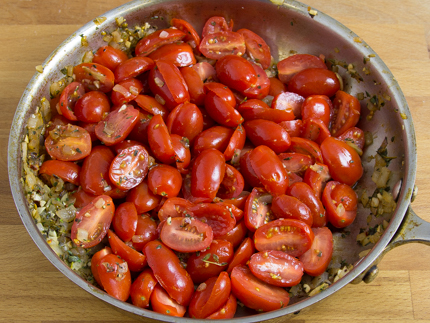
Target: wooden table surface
[{"x": 33, "y": 290}]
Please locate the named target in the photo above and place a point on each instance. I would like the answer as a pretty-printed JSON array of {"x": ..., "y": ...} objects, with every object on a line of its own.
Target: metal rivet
[{"x": 371, "y": 274}]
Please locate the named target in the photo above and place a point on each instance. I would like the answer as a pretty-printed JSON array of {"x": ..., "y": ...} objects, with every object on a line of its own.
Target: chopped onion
[{"x": 82, "y": 235}]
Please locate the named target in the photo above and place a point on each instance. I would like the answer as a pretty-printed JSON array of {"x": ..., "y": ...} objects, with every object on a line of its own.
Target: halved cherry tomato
[
  {"x": 174, "y": 207},
  {"x": 180, "y": 54},
  {"x": 227, "y": 311},
  {"x": 195, "y": 85},
  {"x": 159, "y": 140},
  {"x": 185, "y": 120},
  {"x": 210, "y": 296},
  {"x": 289, "y": 102},
  {"x": 164, "y": 180},
  {"x": 247, "y": 171},
  {"x": 346, "y": 113},
  {"x": 291, "y": 65},
  {"x": 291, "y": 236},
  {"x": 109, "y": 56},
  {"x": 146, "y": 230},
  {"x": 151, "y": 105},
  {"x": 182, "y": 152},
  {"x": 221, "y": 111},
  {"x": 289, "y": 207},
  {"x": 256, "y": 48},
  {"x": 70, "y": 95},
  {"x": 317, "y": 107},
  {"x": 129, "y": 167},
  {"x": 142, "y": 288},
  {"x": 126, "y": 91},
  {"x": 293, "y": 127},
  {"x": 242, "y": 254},
  {"x": 315, "y": 130},
  {"x": 256, "y": 294},
  {"x": 276, "y": 86},
  {"x": 342, "y": 160},
  {"x": 296, "y": 162},
  {"x": 257, "y": 211},
  {"x": 115, "y": 276},
  {"x": 81, "y": 198},
  {"x": 355, "y": 138},
  {"x": 268, "y": 133},
  {"x": 236, "y": 235},
  {"x": 261, "y": 88},
  {"x": 236, "y": 72},
  {"x": 257, "y": 109},
  {"x": 269, "y": 170},
  {"x": 92, "y": 107},
  {"x": 169, "y": 272},
  {"x": 95, "y": 262},
  {"x": 340, "y": 201},
  {"x": 219, "y": 44},
  {"x": 192, "y": 37},
  {"x": 317, "y": 258},
  {"x": 136, "y": 261},
  {"x": 94, "y": 77},
  {"x": 316, "y": 176},
  {"x": 68, "y": 143},
  {"x": 155, "y": 40},
  {"x": 162, "y": 303},
  {"x": 217, "y": 137},
  {"x": 143, "y": 198},
  {"x": 307, "y": 147},
  {"x": 217, "y": 216},
  {"x": 210, "y": 262},
  {"x": 92, "y": 222},
  {"x": 314, "y": 81},
  {"x": 216, "y": 24},
  {"x": 117, "y": 125},
  {"x": 125, "y": 221},
  {"x": 236, "y": 143},
  {"x": 221, "y": 91},
  {"x": 67, "y": 171},
  {"x": 132, "y": 68},
  {"x": 232, "y": 183},
  {"x": 140, "y": 130},
  {"x": 276, "y": 268}
]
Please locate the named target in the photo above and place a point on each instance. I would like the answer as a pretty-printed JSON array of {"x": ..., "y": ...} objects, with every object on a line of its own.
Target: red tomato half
[
  {"x": 217, "y": 216},
  {"x": 227, "y": 311},
  {"x": 70, "y": 95},
  {"x": 125, "y": 221},
  {"x": 142, "y": 288},
  {"x": 136, "y": 261},
  {"x": 256, "y": 48},
  {"x": 94, "y": 77},
  {"x": 164, "y": 180},
  {"x": 92, "y": 222},
  {"x": 346, "y": 113},
  {"x": 155, "y": 40},
  {"x": 289, "y": 207},
  {"x": 223, "y": 43},
  {"x": 162, "y": 303},
  {"x": 317, "y": 258},
  {"x": 115, "y": 276},
  {"x": 180, "y": 54},
  {"x": 291, "y": 65},
  {"x": 95, "y": 262},
  {"x": 110, "y": 57},
  {"x": 67, "y": 171},
  {"x": 236, "y": 72},
  {"x": 92, "y": 107},
  {"x": 257, "y": 209},
  {"x": 216, "y": 24},
  {"x": 340, "y": 201},
  {"x": 314, "y": 81},
  {"x": 268, "y": 133}
]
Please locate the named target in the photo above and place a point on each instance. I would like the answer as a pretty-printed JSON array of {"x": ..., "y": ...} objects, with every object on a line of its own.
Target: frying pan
[{"x": 286, "y": 26}]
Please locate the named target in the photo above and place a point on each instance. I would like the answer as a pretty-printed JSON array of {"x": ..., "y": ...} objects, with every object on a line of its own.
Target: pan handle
[{"x": 412, "y": 229}]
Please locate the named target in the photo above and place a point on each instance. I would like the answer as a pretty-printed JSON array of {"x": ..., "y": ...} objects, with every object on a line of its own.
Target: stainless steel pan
[{"x": 285, "y": 25}]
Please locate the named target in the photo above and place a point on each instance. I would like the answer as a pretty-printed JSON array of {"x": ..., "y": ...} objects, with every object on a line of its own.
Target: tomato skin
[
  {"x": 92, "y": 107},
  {"x": 257, "y": 109},
  {"x": 159, "y": 140},
  {"x": 94, "y": 77},
  {"x": 68, "y": 143},
  {"x": 98, "y": 162},
  {"x": 186, "y": 120},
  {"x": 182, "y": 153},
  {"x": 115, "y": 276},
  {"x": 232, "y": 183},
  {"x": 293, "y": 127},
  {"x": 140, "y": 130},
  {"x": 291, "y": 65},
  {"x": 126, "y": 91},
  {"x": 117, "y": 125},
  {"x": 261, "y": 88},
  {"x": 217, "y": 137},
  {"x": 236, "y": 143},
  {"x": 317, "y": 258},
  {"x": 317, "y": 107},
  {"x": 306, "y": 194},
  {"x": 340, "y": 201},
  {"x": 207, "y": 173},
  {"x": 355, "y": 137},
  {"x": 257, "y": 211},
  {"x": 95, "y": 262},
  {"x": 216, "y": 24},
  {"x": 289, "y": 207},
  {"x": 217, "y": 216},
  {"x": 135, "y": 260},
  {"x": 227, "y": 311},
  {"x": 67, "y": 171},
  {"x": 162, "y": 303},
  {"x": 142, "y": 288},
  {"x": 92, "y": 222},
  {"x": 242, "y": 254},
  {"x": 269, "y": 170},
  {"x": 143, "y": 198},
  {"x": 82, "y": 198},
  {"x": 174, "y": 207},
  {"x": 346, "y": 113},
  {"x": 222, "y": 112},
  {"x": 180, "y": 54},
  {"x": 164, "y": 180},
  {"x": 109, "y": 56},
  {"x": 276, "y": 268},
  {"x": 236, "y": 235},
  {"x": 276, "y": 86},
  {"x": 210, "y": 296},
  {"x": 151, "y": 105},
  {"x": 125, "y": 221},
  {"x": 256, "y": 48},
  {"x": 132, "y": 68},
  {"x": 169, "y": 272},
  {"x": 68, "y": 99},
  {"x": 307, "y": 147},
  {"x": 316, "y": 176},
  {"x": 220, "y": 44},
  {"x": 236, "y": 72},
  {"x": 291, "y": 236},
  {"x": 314, "y": 81},
  {"x": 315, "y": 130},
  {"x": 155, "y": 40},
  {"x": 247, "y": 171},
  {"x": 146, "y": 230},
  {"x": 194, "y": 84},
  {"x": 256, "y": 294},
  {"x": 296, "y": 162},
  {"x": 192, "y": 37},
  {"x": 343, "y": 161},
  {"x": 268, "y": 133}
]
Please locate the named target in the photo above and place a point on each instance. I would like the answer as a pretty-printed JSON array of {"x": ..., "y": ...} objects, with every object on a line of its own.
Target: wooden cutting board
[{"x": 33, "y": 290}]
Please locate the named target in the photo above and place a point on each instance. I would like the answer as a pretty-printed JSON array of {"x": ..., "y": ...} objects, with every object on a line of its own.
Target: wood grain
[{"x": 33, "y": 290}]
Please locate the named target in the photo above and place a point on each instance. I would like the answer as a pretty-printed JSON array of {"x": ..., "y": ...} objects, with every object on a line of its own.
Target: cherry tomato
[
  {"x": 217, "y": 216},
  {"x": 92, "y": 222},
  {"x": 155, "y": 40},
  {"x": 126, "y": 91},
  {"x": 92, "y": 107},
  {"x": 125, "y": 221},
  {"x": 261, "y": 88},
  {"x": 242, "y": 254},
  {"x": 70, "y": 95},
  {"x": 256, "y": 294},
  {"x": 291, "y": 65},
  {"x": 159, "y": 140},
  {"x": 315, "y": 130},
  {"x": 307, "y": 147},
  {"x": 217, "y": 137},
  {"x": 317, "y": 107},
  {"x": 340, "y": 201},
  {"x": 174, "y": 207},
  {"x": 169, "y": 272},
  {"x": 288, "y": 101},
  {"x": 117, "y": 125},
  {"x": 180, "y": 54},
  {"x": 276, "y": 268},
  {"x": 216, "y": 24},
  {"x": 182, "y": 152},
  {"x": 232, "y": 183},
  {"x": 317, "y": 258},
  {"x": 142, "y": 288},
  {"x": 236, "y": 143},
  {"x": 140, "y": 130},
  {"x": 81, "y": 198},
  {"x": 151, "y": 105},
  {"x": 289, "y": 207},
  {"x": 236, "y": 72},
  {"x": 269, "y": 170},
  {"x": 132, "y": 68},
  {"x": 355, "y": 138},
  {"x": 162, "y": 303},
  {"x": 164, "y": 180},
  {"x": 296, "y": 162},
  {"x": 219, "y": 44},
  {"x": 221, "y": 91},
  {"x": 247, "y": 171},
  {"x": 227, "y": 311},
  {"x": 194, "y": 84},
  {"x": 221, "y": 111},
  {"x": 236, "y": 235},
  {"x": 146, "y": 230},
  {"x": 256, "y": 48},
  {"x": 210, "y": 262},
  {"x": 207, "y": 173},
  {"x": 206, "y": 72},
  {"x": 342, "y": 160},
  {"x": 192, "y": 37},
  {"x": 306, "y": 194},
  {"x": 276, "y": 86},
  {"x": 291, "y": 236},
  {"x": 293, "y": 127},
  {"x": 136, "y": 261},
  {"x": 268, "y": 133},
  {"x": 185, "y": 120},
  {"x": 143, "y": 198},
  {"x": 314, "y": 81},
  {"x": 67, "y": 171},
  {"x": 129, "y": 167},
  {"x": 94, "y": 77},
  {"x": 316, "y": 176},
  {"x": 115, "y": 276},
  {"x": 68, "y": 143},
  {"x": 210, "y": 296},
  {"x": 257, "y": 211},
  {"x": 95, "y": 262},
  {"x": 109, "y": 56},
  {"x": 257, "y": 109},
  {"x": 346, "y": 113}
]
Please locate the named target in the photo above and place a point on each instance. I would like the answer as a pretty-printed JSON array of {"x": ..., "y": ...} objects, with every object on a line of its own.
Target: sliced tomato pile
[{"x": 210, "y": 182}]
